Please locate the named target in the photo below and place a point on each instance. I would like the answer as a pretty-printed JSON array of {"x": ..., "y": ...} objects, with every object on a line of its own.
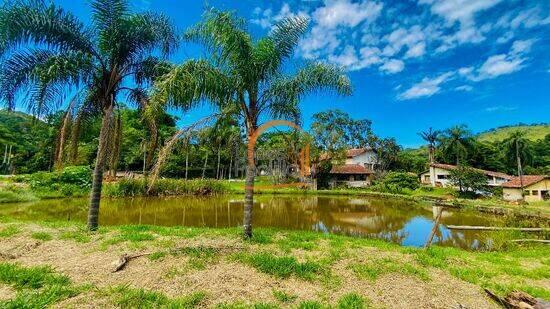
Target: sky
[{"x": 413, "y": 64}]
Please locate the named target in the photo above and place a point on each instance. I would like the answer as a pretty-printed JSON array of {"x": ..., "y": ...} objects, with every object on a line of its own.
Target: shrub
[
  {"x": 468, "y": 179},
  {"x": 400, "y": 181},
  {"x": 77, "y": 175}
]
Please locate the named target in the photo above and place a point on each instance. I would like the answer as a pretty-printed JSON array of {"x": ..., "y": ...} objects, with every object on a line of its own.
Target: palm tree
[
  {"x": 455, "y": 142},
  {"x": 49, "y": 52},
  {"x": 431, "y": 136},
  {"x": 247, "y": 74},
  {"x": 517, "y": 147}
]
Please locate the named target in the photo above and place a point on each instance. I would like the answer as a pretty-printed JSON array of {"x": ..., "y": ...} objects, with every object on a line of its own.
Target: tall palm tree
[
  {"x": 455, "y": 142},
  {"x": 248, "y": 74},
  {"x": 431, "y": 136},
  {"x": 517, "y": 147},
  {"x": 48, "y": 51}
]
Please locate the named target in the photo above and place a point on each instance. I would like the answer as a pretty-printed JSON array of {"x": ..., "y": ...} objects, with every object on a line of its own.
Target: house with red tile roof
[
  {"x": 535, "y": 188},
  {"x": 357, "y": 169},
  {"x": 438, "y": 176}
]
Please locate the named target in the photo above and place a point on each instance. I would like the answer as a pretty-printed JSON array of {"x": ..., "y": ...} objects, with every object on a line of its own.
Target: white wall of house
[
  {"x": 511, "y": 194},
  {"x": 367, "y": 159}
]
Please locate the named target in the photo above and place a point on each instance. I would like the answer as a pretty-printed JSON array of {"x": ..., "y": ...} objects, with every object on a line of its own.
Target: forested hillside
[{"x": 532, "y": 132}]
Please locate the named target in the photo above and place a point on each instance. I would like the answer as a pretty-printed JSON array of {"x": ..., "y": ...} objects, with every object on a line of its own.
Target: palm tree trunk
[
  {"x": 248, "y": 198},
  {"x": 230, "y": 166},
  {"x": 520, "y": 171},
  {"x": 218, "y": 165},
  {"x": 115, "y": 148},
  {"x": 97, "y": 181},
  {"x": 186, "y": 160},
  {"x": 204, "y": 166},
  {"x": 75, "y": 135}
]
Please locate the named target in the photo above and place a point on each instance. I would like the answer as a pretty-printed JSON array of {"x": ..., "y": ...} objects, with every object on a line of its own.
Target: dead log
[
  {"x": 518, "y": 300},
  {"x": 125, "y": 259},
  {"x": 497, "y": 228}
]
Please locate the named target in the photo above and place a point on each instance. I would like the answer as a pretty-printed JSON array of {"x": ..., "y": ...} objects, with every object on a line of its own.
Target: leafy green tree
[
  {"x": 517, "y": 149},
  {"x": 455, "y": 142},
  {"x": 468, "y": 179},
  {"x": 247, "y": 74},
  {"x": 48, "y": 50},
  {"x": 334, "y": 130}
]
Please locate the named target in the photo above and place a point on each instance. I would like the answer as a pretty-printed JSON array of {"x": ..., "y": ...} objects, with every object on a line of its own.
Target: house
[
  {"x": 438, "y": 176},
  {"x": 350, "y": 175},
  {"x": 535, "y": 188},
  {"x": 357, "y": 169}
]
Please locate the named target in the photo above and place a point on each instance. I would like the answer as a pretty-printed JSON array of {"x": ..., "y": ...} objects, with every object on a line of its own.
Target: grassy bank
[{"x": 196, "y": 267}]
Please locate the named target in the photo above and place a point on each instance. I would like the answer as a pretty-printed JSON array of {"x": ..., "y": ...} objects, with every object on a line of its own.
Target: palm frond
[
  {"x": 311, "y": 78},
  {"x": 34, "y": 22},
  {"x": 107, "y": 14},
  {"x": 224, "y": 35}
]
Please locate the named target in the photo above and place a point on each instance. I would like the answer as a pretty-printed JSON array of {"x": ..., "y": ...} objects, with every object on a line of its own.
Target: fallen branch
[
  {"x": 497, "y": 228},
  {"x": 544, "y": 241},
  {"x": 126, "y": 258}
]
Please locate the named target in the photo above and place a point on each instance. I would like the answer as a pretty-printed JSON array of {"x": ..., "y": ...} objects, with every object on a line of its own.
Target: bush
[
  {"x": 165, "y": 187},
  {"x": 468, "y": 180},
  {"x": 397, "y": 182},
  {"x": 77, "y": 175}
]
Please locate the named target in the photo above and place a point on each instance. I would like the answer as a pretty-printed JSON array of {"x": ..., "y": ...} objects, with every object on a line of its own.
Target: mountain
[{"x": 533, "y": 132}]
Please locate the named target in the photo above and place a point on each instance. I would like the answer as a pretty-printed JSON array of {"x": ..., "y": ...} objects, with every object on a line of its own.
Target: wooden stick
[
  {"x": 544, "y": 241},
  {"x": 497, "y": 228},
  {"x": 435, "y": 227}
]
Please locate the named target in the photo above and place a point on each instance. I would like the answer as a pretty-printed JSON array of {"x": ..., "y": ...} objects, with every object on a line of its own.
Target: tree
[
  {"x": 517, "y": 147},
  {"x": 468, "y": 179},
  {"x": 387, "y": 152},
  {"x": 247, "y": 74},
  {"x": 455, "y": 142},
  {"x": 50, "y": 51},
  {"x": 335, "y": 130},
  {"x": 431, "y": 137}
]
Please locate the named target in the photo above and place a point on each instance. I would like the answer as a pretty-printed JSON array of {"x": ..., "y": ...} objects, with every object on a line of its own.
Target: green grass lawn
[{"x": 533, "y": 133}]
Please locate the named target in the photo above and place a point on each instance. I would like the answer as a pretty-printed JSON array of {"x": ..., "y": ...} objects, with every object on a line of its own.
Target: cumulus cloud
[
  {"x": 503, "y": 64},
  {"x": 426, "y": 88},
  {"x": 346, "y": 13},
  {"x": 266, "y": 19},
  {"x": 392, "y": 66}
]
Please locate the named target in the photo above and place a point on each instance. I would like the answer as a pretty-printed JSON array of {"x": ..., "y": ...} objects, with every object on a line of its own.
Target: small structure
[
  {"x": 350, "y": 175},
  {"x": 535, "y": 188},
  {"x": 438, "y": 176}
]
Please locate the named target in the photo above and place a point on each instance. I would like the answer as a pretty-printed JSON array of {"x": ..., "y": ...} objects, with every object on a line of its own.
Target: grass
[
  {"x": 9, "y": 231},
  {"x": 533, "y": 132},
  {"x": 375, "y": 268},
  {"x": 284, "y": 297},
  {"x": 81, "y": 236},
  {"x": 127, "y": 297},
  {"x": 44, "y": 236},
  {"x": 280, "y": 266},
  {"x": 289, "y": 254},
  {"x": 37, "y": 287}
]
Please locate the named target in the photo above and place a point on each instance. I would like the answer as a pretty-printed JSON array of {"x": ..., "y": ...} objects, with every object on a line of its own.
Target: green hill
[{"x": 534, "y": 132}]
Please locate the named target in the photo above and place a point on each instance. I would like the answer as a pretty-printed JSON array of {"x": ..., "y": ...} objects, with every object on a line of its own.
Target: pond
[{"x": 404, "y": 222}]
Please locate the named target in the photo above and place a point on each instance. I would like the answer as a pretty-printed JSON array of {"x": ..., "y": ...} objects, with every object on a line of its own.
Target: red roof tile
[
  {"x": 488, "y": 173},
  {"x": 349, "y": 169},
  {"x": 350, "y": 153},
  {"x": 527, "y": 181}
]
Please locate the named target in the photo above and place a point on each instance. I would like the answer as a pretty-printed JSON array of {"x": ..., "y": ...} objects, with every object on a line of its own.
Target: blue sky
[{"x": 413, "y": 63}]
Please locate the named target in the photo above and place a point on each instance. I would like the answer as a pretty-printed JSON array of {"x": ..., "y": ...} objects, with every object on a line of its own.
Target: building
[
  {"x": 438, "y": 176},
  {"x": 357, "y": 170},
  {"x": 535, "y": 188},
  {"x": 350, "y": 175}
]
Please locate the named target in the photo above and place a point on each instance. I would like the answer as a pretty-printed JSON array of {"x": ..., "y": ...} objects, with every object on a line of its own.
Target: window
[
  {"x": 442, "y": 176},
  {"x": 526, "y": 192},
  {"x": 535, "y": 192}
]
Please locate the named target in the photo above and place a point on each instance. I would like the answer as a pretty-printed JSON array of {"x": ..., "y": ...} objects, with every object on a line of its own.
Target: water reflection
[{"x": 395, "y": 220}]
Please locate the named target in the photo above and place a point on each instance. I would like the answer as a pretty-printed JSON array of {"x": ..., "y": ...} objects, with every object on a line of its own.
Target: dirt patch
[{"x": 6, "y": 292}]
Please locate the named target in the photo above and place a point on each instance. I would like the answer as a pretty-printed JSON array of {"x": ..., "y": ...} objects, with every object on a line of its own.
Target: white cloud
[
  {"x": 266, "y": 19},
  {"x": 412, "y": 38},
  {"x": 426, "y": 88},
  {"x": 464, "y": 88},
  {"x": 345, "y": 13},
  {"x": 459, "y": 10},
  {"x": 347, "y": 58},
  {"x": 392, "y": 66},
  {"x": 503, "y": 64},
  {"x": 500, "y": 108}
]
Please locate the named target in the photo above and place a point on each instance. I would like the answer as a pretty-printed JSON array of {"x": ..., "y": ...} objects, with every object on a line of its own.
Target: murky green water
[{"x": 396, "y": 220}]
